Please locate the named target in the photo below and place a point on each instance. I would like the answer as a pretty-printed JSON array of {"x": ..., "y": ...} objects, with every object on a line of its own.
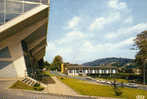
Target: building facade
[
  {"x": 23, "y": 33},
  {"x": 86, "y": 70}
]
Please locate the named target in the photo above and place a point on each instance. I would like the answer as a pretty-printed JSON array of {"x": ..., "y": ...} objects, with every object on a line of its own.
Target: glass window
[
  {"x": 28, "y": 7},
  {"x": 4, "y": 53},
  {"x": 14, "y": 7},
  {"x": 70, "y": 71},
  {"x": 44, "y": 2},
  {"x": 1, "y": 6},
  {"x": 1, "y": 18},
  {"x": 1, "y": 12},
  {"x": 10, "y": 9},
  {"x": 38, "y": 1},
  {"x": 33, "y": 0},
  {"x": 10, "y": 16},
  {"x": 4, "y": 64},
  {"x": 113, "y": 71}
]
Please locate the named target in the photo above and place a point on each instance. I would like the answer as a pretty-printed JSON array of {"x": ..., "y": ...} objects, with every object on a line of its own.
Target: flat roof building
[
  {"x": 23, "y": 33},
  {"x": 85, "y": 70}
]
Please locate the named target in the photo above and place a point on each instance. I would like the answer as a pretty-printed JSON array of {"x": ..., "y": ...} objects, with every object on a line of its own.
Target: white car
[
  {"x": 101, "y": 81},
  {"x": 132, "y": 85},
  {"x": 109, "y": 82}
]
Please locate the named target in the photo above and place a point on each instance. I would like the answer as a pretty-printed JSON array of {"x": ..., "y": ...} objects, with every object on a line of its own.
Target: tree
[
  {"x": 141, "y": 56},
  {"x": 56, "y": 64},
  {"x": 47, "y": 64}
]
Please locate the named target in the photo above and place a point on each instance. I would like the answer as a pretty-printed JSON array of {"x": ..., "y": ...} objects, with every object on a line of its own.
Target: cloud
[
  {"x": 88, "y": 46},
  {"x": 89, "y": 51},
  {"x": 124, "y": 43},
  {"x": 71, "y": 36},
  {"x": 50, "y": 51},
  {"x": 100, "y": 22},
  {"x": 73, "y": 22},
  {"x": 68, "y": 46},
  {"x": 121, "y": 11},
  {"x": 128, "y": 20},
  {"x": 54, "y": 49},
  {"x": 88, "y": 38},
  {"x": 126, "y": 31},
  {"x": 76, "y": 34},
  {"x": 116, "y": 4},
  {"x": 84, "y": 50}
]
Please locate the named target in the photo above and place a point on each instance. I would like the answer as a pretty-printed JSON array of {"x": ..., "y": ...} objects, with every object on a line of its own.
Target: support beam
[
  {"x": 40, "y": 54},
  {"x": 38, "y": 49},
  {"x": 36, "y": 42}
]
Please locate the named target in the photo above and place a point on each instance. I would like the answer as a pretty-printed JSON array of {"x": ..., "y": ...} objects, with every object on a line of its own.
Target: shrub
[
  {"x": 117, "y": 92},
  {"x": 37, "y": 85},
  {"x": 39, "y": 88},
  {"x": 61, "y": 78}
]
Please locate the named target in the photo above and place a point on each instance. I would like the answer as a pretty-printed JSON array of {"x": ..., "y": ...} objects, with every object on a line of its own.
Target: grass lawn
[
  {"x": 21, "y": 85},
  {"x": 101, "y": 90},
  {"x": 48, "y": 73},
  {"x": 122, "y": 80}
]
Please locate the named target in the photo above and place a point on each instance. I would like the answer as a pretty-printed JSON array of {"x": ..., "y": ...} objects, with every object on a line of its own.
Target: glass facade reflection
[{"x": 10, "y": 9}]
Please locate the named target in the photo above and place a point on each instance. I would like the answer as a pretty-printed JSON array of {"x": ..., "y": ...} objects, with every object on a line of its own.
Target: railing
[{"x": 12, "y": 8}]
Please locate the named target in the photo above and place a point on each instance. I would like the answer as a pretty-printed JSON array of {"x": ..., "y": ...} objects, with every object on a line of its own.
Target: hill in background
[{"x": 119, "y": 62}]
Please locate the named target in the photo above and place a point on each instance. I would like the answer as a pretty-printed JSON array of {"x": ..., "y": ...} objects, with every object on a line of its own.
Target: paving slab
[{"x": 60, "y": 88}]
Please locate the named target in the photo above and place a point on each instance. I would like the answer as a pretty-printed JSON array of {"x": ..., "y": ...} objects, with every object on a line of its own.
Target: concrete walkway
[
  {"x": 5, "y": 84},
  {"x": 63, "y": 91},
  {"x": 6, "y": 93},
  {"x": 60, "y": 88}
]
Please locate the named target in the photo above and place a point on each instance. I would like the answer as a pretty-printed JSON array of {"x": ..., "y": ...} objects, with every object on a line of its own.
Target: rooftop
[{"x": 93, "y": 67}]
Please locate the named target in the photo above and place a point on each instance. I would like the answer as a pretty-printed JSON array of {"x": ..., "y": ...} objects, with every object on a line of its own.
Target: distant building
[
  {"x": 85, "y": 70},
  {"x": 23, "y": 33},
  {"x": 137, "y": 71}
]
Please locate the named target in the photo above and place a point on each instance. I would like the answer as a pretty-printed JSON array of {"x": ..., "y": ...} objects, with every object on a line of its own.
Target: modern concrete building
[
  {"x": 85, "y": 70},
  {"x": 23, "y": 33}
]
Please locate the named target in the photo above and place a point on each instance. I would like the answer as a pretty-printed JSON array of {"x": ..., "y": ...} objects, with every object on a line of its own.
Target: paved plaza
[{"x": 6, "y": 93}]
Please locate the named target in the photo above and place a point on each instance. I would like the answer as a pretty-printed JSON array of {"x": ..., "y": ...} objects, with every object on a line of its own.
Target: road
[
  {"x": 6, "y": 93},
  {"x": 139, "y": 86},
  {"x": 75, "y": 77}
]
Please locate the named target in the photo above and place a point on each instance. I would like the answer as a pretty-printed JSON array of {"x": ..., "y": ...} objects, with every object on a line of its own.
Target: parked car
[
  {"x": 109, "y": 82},
  {"x": 101, "y": 81},
  {"x": 88, "y": 78},
  {"x": 132, "y": 85}
]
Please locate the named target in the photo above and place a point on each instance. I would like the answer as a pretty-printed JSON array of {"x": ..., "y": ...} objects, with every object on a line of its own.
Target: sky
[{"x": 84, "y": 30}]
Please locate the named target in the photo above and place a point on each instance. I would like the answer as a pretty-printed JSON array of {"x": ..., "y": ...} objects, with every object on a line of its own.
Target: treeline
[
  {"x": 141, "y": 56},
  {"x": 55, "y": 65}
]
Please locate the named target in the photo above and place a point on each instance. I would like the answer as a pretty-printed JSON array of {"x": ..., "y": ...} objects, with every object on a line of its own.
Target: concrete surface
[
  {"x": 6, "y": 93},
  {"x": 60, "y": 88}
]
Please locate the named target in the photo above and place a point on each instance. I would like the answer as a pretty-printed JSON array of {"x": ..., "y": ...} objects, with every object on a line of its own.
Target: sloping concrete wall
[
  {"x": 12, "y": 34},
  {"x": 18, "y": 58},
  {"x": 7, "y": 70}
]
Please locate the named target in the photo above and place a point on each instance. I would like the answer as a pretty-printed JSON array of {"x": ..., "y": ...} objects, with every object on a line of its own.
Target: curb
[{"x": 46, "y": 93}]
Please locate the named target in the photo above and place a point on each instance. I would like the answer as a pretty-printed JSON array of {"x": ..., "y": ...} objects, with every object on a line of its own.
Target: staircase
[
  {"x": 28, "y": 81},
  {"x": 31, "y": 82}
]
